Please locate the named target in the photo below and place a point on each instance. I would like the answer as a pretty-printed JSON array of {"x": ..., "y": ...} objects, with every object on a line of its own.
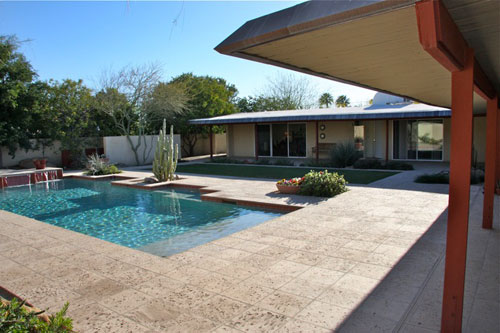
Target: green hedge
[{"x": 323, "y": 184}]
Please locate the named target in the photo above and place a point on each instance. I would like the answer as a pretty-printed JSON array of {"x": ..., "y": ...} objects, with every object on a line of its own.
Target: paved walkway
[{"x": 368, "y": 260}]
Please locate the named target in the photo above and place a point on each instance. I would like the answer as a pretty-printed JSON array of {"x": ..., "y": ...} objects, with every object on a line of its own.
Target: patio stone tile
[
  {"x": 294, "y": 326},
  {"x": 211, "y": 264},
  {"x": 321, "y": 275},
  {"x": 186, "y": 297},
  {"x": 270, "y": 279},
  {"x": 90, "y": 317},
  {"x": 228, "y": 242},
  {"x": 159, "y": 265},
  {"x": 24, "y": 283},
  {"x": 186, "y": 258},
  {"x": 61, "y": 270},
  {"x": 158, "y": 286},
  {"x": 484, "y": 316},
  {"x": 187, "y": 274},
  {"x": 247, "y": 292},
  {"x": 220, "y": 308},
  {"x": 10, "y": 244},
  {"x": 225, "y": 329},
  {"x": 306, "y": 258},
  {"x": 208, "y": 248},
  {"x": 101, "y": 289},
  {"x": 238, "y": 270},
  {"x": 44, "y": 263},
  {"x": 250, "y": 246},
  {"x": 371, "y": 271},
  {"x": 78, "y": 279},
  {"x": 259, "y": 262},
  {"x": 191, "y": 323},
  {"x": 356, "y": 283},
  {"x": 337, "y": 264},
  {"x": 24, "y": 254},
  {"x": 323, "y": 314},
  {"x": 305, "y": 288},
  {"x": 284, "y": 303},
  {"x": 156, "y": 314},
  {"x": 350, "y": 254},
  {"x": 415, "y": 329},
  {"x": 232, "y": 254},
  {"x": 258, "y": 320},
  {"x": 387, "y": 308},
  {"x": 288, "y": 268},
  {"x": 134, "y": 276},
  {"x": 125, "y": 300},
  {"x": 12, "y": 270},
  {"x": 278, "y": 252},
  {"x": 342, "y": 297},
  {"x": 362, "y": 321},
  {"x": 361, "y": 245},
  {"x": 122, "y": 325},
  {"x": 215, "y": 282},
  {"x": 51, "y": 296}
]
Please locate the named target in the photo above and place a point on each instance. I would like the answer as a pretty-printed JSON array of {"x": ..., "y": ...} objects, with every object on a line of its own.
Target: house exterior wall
[{"x": 241, "y": 138}]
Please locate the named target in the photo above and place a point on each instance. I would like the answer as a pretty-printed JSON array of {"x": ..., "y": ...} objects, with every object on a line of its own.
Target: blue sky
[{"x": 81, "y": 39}]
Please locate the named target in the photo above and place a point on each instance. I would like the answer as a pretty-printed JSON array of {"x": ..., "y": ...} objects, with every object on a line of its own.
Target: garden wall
[
  {"x": 118, "y": 150},
  {"x": 202, "y": 146},
  {"x": 53, "y": 155}
]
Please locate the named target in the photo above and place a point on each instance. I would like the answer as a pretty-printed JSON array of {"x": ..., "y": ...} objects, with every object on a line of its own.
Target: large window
[
  {"x": 418, "y": 139},
  {"x": 282, "y": 140}
]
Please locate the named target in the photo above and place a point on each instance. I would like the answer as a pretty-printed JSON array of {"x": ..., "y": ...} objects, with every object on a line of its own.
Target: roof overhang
[
  {"x": 322, "y": 115},
  {"x": 371, "y": 44}
]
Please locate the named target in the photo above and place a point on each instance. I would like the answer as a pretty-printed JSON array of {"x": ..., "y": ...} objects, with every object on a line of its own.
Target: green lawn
[{"x": 259, "y": 171}]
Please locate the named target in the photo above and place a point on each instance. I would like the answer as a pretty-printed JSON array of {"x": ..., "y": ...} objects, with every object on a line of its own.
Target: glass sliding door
[
  {"x": 264, "y": 139},
  {"x": 297, "y": 140},
  {"x": 418, "y": 140},
  {"x": 280, "y": 140},
  {"x": 430, "y": 140}
]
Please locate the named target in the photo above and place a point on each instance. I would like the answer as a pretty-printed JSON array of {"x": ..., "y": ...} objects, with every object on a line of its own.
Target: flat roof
[{"x": 372, "y": 112}]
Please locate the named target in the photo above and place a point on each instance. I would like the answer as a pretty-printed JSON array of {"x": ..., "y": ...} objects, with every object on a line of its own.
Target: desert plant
[
  {"x": 283, "y": 161},
  {"x": 263, "y": 161},
  {"x": 166, "y": 155},
  {"x": 16, "y": 317},
  {"x": 443, "y": 178},
  {"x": 368, "y": 163},
  {"x": 96, "y": 166},
  {"x": 398, "y": 165},
  {"x": 323, "y": 184},
  {"x": 344, "y": 154}
]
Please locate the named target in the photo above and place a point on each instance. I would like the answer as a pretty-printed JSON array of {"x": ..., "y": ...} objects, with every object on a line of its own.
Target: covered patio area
[{"x": 444, "y": 53}]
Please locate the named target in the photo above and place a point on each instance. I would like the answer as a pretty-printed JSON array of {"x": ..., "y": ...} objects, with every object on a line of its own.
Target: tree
[
  {"x": 342, "y": 101},
  {"x": 292, "y": 92},
  {"x": 123, "y": 97},
  {"x": 207, "y": 97},
  {"x": 261, "y": 103},
  {"x": 326, "y": 99},
  {"x": 16, "y": 97}
]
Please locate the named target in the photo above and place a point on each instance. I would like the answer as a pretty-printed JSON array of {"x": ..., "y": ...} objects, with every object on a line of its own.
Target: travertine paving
[{"x": 369, "y": 259}]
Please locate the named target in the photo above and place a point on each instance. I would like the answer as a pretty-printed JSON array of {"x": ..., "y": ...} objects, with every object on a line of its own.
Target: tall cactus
[{"x": 166, "y": 155}]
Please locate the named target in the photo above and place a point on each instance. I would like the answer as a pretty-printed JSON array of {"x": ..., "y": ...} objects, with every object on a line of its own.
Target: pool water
[{"x": 161, "y": 222}]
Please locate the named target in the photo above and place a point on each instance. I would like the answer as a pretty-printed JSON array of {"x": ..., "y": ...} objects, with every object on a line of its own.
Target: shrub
[
  {"x": 283, "y": 161},
  {"x": 344, "y": 155},
  {"x": 433, "y": 178},
  {"x": 368, "y": 163},
  {"x": 263, "y": 162},
  {"x": 225, "y": 160},
  {"x": 397, "y": 165},
  {"x": 443, "y": 178},
  {"x": 15, "y": 317},
  {"x": 97, "y": 166},
  {"x": 323, "y": 184},
  {"x": 320, "y": 163}
]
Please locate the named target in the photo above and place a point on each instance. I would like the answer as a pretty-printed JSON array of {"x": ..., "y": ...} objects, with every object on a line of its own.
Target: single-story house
[{"x": 391, "y": 128}]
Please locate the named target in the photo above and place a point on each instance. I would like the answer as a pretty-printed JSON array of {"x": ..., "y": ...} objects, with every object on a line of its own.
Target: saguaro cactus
[{"x": 166, "y": 155}]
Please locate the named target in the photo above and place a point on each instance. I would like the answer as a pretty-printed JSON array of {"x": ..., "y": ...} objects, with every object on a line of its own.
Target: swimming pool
[{"x": 162, "y": 222}]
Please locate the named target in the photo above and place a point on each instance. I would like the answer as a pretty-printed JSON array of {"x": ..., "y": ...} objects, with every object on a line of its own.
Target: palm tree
[
  {"x": 342, "y": 101},
  {"x": 326, "y": 99}
]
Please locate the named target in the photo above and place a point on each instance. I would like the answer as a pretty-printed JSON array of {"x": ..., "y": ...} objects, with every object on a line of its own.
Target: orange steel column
[
  {"x": 498, "y": 143},
  {"x": 462, "y": 87},
  {"x": 491, "y": 161}
]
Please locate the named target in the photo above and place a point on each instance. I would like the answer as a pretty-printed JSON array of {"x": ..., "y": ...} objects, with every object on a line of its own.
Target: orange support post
[
  {"x": 491, "y": 161},
  {"x": 462, "y": 87},
  {"x": 211, "y": 142},
  {"x": 317, "y": 141},
  {"x": 498, "y": 143}
]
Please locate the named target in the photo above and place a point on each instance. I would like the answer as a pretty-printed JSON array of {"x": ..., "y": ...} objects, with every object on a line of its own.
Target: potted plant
[
  {"x": 289, "y": 186},
  {"x": 40, "y": 163}
]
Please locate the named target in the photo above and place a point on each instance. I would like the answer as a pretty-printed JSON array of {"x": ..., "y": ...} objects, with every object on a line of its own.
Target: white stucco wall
[
  {"x": 118, "y": 150},
  {"x": 242, "y": 138}
]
